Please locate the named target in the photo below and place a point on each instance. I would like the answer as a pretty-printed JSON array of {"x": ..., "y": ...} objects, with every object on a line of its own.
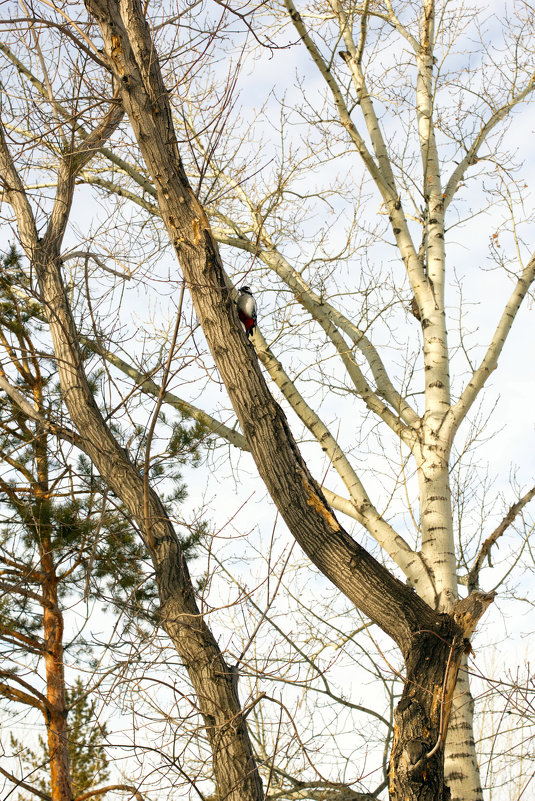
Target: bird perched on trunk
[{"x": 247, "y": 309}]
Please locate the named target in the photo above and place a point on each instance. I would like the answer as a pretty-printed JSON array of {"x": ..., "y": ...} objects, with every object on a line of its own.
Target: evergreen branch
[
  {"x": 60, "y": 431},
  {"x": 16, "y": 465},
  {"x": 18, "y": 695},
  {"x": 29, "y": 573}
]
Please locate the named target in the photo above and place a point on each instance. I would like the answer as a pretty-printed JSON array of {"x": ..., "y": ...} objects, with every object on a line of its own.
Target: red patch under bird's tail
[{"x": 247, "y": 309}]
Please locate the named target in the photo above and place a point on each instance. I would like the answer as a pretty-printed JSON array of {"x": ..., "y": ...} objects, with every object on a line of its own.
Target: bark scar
[
  {"x": 320, "y": 506},
  {"x": 116, "y": 50},
  {"x": 468, "y": 611},
  {"x": 196, "y": 225}
]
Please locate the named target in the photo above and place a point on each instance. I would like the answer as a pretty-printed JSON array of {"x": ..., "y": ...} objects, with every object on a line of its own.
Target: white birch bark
[
  {"x": 461, "y": 769},
  {"x": 427, "y": 277}
]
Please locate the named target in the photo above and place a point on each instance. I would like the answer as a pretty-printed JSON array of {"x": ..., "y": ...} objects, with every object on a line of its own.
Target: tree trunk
[
  {"x": 460, "y": 758},
  {"x": 461, "y": 766},
  {"x": 421, "y": 717},
  {"x": 431, "y": 643},
  {"x": 131, "y": 54},
  {"x": 56, "y": 711},
  {"x": 236, "y": 774},
  {"x": 56, "y": 714}
]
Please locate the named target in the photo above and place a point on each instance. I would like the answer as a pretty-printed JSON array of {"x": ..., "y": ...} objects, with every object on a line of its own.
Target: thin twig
[{"x": 155, "y": 414}]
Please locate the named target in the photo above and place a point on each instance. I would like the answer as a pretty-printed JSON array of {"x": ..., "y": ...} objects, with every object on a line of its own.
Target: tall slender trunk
[
  {"x": 56, "y": 712},
  {"x": 56, "y": 718},
  {"x": 460, "y": 758}
]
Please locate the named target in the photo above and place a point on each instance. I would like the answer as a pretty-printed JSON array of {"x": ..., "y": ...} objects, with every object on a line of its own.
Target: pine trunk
[
  {"x": 56, "y": 718},
  {"x": 56, "y": 711}
]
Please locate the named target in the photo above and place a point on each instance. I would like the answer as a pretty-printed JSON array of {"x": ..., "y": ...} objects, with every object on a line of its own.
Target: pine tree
[
  {"x": 64, "y": 536},
  {"x": 89, "y": 762}
]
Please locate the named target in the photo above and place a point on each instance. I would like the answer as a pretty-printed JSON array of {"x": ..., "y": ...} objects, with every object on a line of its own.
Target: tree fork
[
  {"x": 422, "y": 715},
  {"x": 432, "y": 643}
]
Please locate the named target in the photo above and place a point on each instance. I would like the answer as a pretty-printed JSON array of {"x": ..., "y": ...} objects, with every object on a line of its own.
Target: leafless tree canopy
[{"x": 365, "y": 167}]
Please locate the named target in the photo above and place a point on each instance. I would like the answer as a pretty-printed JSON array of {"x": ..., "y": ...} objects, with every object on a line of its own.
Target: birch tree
[{"x": 387, "y": 105}]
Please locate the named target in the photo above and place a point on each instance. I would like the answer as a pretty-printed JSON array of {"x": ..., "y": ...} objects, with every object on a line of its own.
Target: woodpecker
[{"x": 247, "y": 309}]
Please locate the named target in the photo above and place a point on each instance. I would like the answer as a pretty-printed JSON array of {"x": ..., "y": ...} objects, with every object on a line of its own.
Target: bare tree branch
[
  {"x": 25, "y": 785},
  {"x": 490, "y": 361},
  {"x": 470, "y": 158},
  {"x": 484, "y": 552},
  {"x": 126, "y": 788}
]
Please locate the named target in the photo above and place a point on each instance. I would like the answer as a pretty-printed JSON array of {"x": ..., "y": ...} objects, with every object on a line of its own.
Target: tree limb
[
  {"x": 299, "y": 499},
  {"x": 25, "y": 785},
  {"x": 364, "y": 511},
  {"x": 472, "y": 580},
  {"x": 470, "y": 158},
  {"x": 127, "y": 788},
  {"x": 490, "y": 360},
  {"x": 18, "y": 695},
  {"x": 13, "y": 676},
  {"x": 331, "y": 318},
  {"x": 146, "y": 384},
  {"x": 392, "y": 202}
]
